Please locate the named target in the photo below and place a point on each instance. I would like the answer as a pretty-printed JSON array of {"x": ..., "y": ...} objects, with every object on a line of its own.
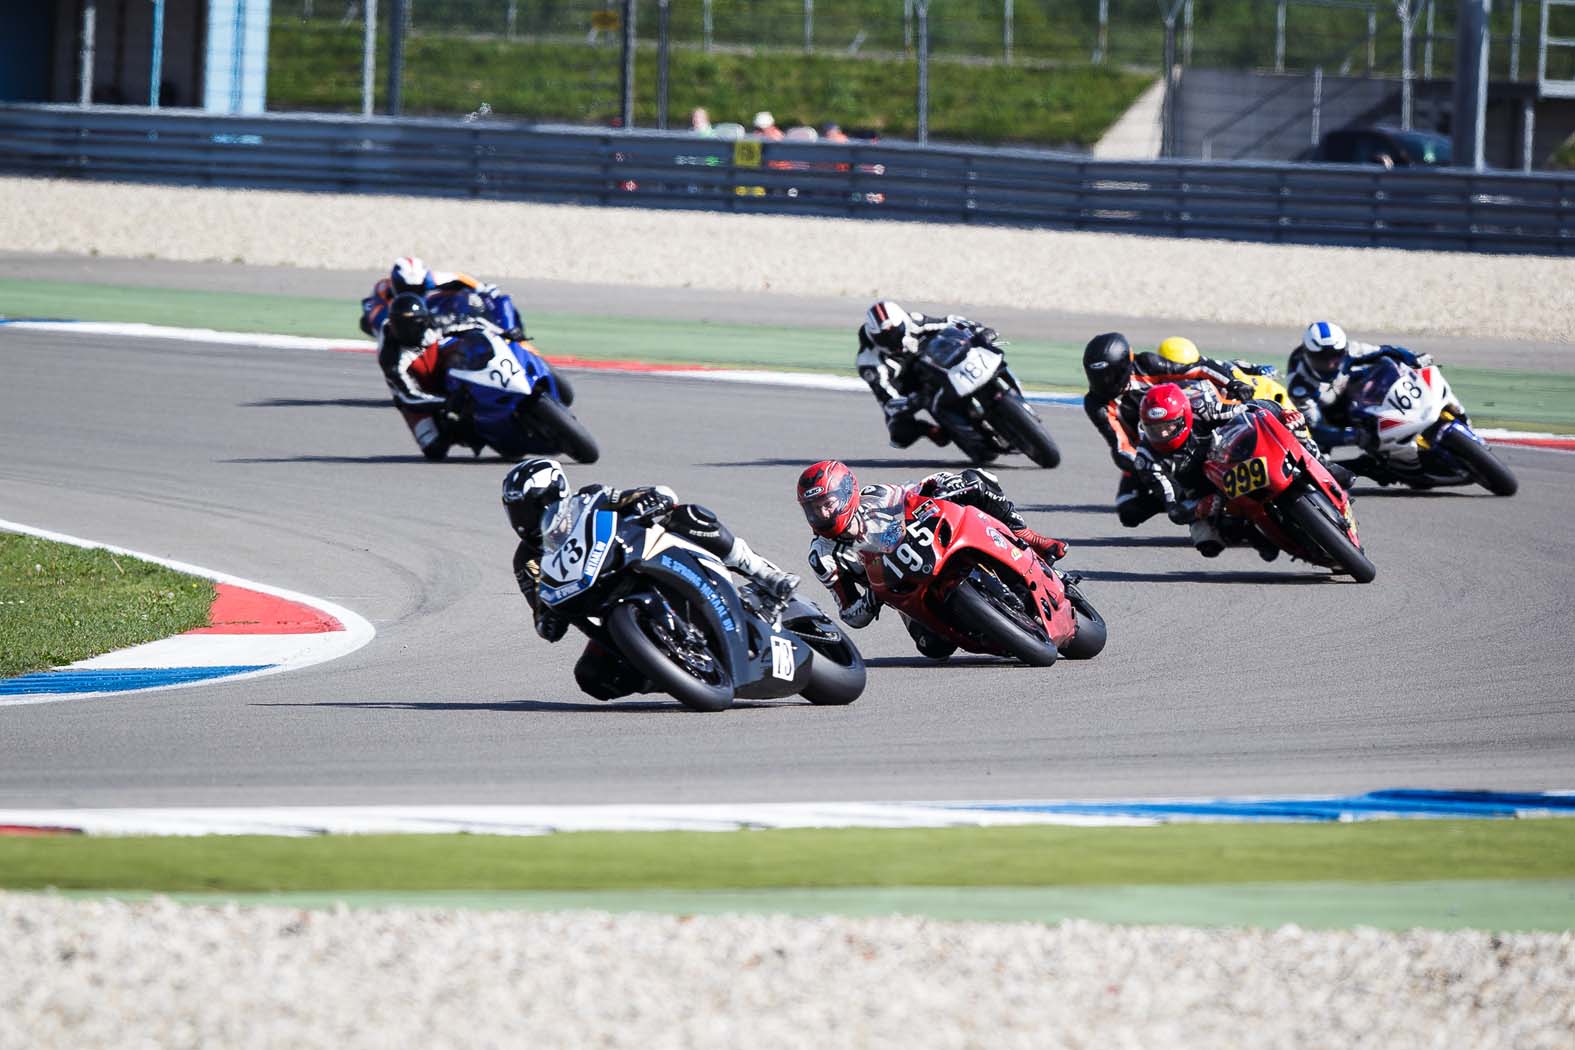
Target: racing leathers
[
  {"x": 600, "y": 670},
  {"x": 1116, "y": 419},
  {"x": 1322, "y": 400},
  {"x": 882, "y": 512},
  {"x": 892, "y": 377},
  {"x": 453, "y": 298}
]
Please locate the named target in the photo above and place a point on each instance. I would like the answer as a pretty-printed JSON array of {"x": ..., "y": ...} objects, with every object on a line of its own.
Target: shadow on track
[
  {"x": 1066, "y": 508},
  {"x": 952, "y": 661},
  {"x": 487, "y": 460},
  {"x": 1202, "y": 576},
  {"x": 648, "y": 707},
  {"x": 879, "y": 464},
  {"x": 1129, "y": 541},
  {"x": 1391, "y": 491},
  {"x": 320, "y": 402}
]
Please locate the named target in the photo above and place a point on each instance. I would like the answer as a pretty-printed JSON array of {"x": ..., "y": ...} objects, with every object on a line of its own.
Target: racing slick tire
[
  {"x": 558, "y": 424},
  {"x": 1012, "y": 416},
  {"x": 1315, "y": 516},
  {"x": 983, "y": 616},
  {"x": 836, "y": 674},
  {"x": 651, "y": 657},
  {"x": 1480, "y": 461}
]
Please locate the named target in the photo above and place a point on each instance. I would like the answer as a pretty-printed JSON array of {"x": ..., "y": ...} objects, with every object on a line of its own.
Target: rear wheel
[
  {"x": 992, "y": 617},
  {"x": 1012, "y": 416},
  {"x": 1089, "y": 639},
  {"x": 1316, "y": 517},
  {"x": 836, "y": 674},
  {"x": 560, "y": 426},
  {"x": 686, "y": 669},
  {"x": 1480, "y": 461}
]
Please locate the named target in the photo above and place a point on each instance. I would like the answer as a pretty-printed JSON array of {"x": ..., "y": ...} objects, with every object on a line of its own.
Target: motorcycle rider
[
  {"x": 1117, "y": 381},
  {"x": 408, "y": 353},
  {"x": 453, "y": 298},
  {"x": 848, "y": 520},
  {"x": 1321, "y": 369},
  {"x": 889, "y": 340},
  {"x": 531, "y": 493}
]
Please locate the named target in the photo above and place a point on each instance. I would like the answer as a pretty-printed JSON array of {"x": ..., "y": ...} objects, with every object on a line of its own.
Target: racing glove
[
  {"x": 1237, "y": 390},
  {"x": 551, "y": 626},
  {"x": 1254, "y": 370},
  {"x": 985, "y": 336},
  {"x": 651, "y": 505}
]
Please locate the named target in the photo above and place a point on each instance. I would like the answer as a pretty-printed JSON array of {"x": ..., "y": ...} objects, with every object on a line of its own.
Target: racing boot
[
  {"x": 771, "y": 579},
  {"x": 927, "y": 641},
  {"x": 937, "y": 434},
  {"x": 1050, "y": 550}
]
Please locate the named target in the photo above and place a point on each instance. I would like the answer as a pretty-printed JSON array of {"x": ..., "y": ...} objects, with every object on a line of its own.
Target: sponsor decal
[
  {"x": 996, "y": 538},
  {"x": 703, "y": 585},
  {"x": 781, "y": 658}
]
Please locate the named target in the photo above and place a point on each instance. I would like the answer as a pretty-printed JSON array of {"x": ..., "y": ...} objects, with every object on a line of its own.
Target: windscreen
[
  {"x": 1376, "y": 381},
  {"x": 948, "y": 347}
]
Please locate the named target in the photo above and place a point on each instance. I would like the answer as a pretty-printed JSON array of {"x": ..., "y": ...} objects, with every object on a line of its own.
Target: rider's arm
[
  {"x": 875, "y": 370},
  {"x": 973, "y": 487},
  {"x": 410, "y": 373},
  {"x": 856, "y": 604},
  {"x": 1106, "y": 417},
  {"x": 644, "y": 501},
  {"x": 1155, "y": 479},
  {"x": 1395, "y": 353}
]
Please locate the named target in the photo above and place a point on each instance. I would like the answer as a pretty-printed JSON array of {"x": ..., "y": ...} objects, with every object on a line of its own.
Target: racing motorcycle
[
  {"x": 673, "y": 612},
  {"x": 972, "y": 394},
  {"x": 502, "y": 394},
  {"x": 1418, "y": 434},
  {"x": 1268, "y": 479},
  {"x": 963, "y": 575}
]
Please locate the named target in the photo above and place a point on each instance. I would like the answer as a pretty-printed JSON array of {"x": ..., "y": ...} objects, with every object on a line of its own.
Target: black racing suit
[
  {"x": 894, "y": 381},
  {"x": 1116, "y": 419},
  {"x": 600, "y": 670}
]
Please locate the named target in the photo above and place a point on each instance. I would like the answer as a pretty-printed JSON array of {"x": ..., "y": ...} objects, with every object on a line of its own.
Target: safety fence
[{"x": 1304, "y": 204}]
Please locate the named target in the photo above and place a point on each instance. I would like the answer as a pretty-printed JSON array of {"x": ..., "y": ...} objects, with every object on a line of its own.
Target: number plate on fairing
[
  {"x": 1249, "y": 475},
  {"x": 974, "y": 370},
  {"x": 915, "y": 555},
  {"x": 575, "y": 549}
]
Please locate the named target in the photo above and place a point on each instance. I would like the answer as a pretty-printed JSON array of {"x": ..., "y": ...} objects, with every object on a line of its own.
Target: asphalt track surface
[{"x": 1451, "y": 670}]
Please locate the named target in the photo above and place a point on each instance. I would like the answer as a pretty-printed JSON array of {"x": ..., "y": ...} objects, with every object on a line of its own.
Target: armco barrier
[{"x": 1302, "y": 204}]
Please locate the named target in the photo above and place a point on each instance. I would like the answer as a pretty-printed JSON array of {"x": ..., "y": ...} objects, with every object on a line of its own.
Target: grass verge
[
  {"x": 1496, "y": 397},
  {"x": 1197, "y": 854},
  {"x": 60, "y": 603}
]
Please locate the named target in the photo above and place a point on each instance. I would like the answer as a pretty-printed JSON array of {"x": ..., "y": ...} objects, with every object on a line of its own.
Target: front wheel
[
  {"x": 836, "y": 673},
  {"x": 693, "y": 674},
  {"x": 986, "y": 617},
  {"x": 560, "y": 426},
  {"x": 1012, "y": 417},
  {"x": 1315, "y": 516},
  {"x": 1480, "y": 461}
]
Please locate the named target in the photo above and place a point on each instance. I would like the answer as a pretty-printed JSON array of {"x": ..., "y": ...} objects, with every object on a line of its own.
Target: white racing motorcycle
[
  {"x": 1417, "y": 433},
  {"x": 972, "y": 393}
]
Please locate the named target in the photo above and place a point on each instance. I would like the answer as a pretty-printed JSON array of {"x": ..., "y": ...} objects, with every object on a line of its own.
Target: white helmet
[
  {"x": 890, "y": 326},
  {"x": 1325, "y": 344},
  {"x": 528, "y": 488},
  {"x": 410, "y": 274}
]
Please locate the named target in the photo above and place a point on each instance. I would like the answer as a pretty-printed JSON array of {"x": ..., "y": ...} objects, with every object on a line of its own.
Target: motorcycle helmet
[
  {"x": 888, "y": 325},
  {"x": 829, "y": 495},
  {"x": 1165, "y": 417},
  {"x": 1107, "y": 361},
  {"x": 1179, "y": 350},
  {"x": 409, "y": 319},
  {"x": 529, "y": 487},
  {"x": 411, "y": 275},
  {"x": 1325, "y": 346}
]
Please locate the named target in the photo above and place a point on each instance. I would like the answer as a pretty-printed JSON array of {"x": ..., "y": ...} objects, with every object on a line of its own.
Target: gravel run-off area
[
  {"x": 1439, "y": 293},
  {"x": 80, "y": 973}
]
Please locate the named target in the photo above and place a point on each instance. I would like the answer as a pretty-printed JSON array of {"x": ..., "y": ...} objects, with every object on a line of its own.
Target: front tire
[
  {"x": 559, "y": 425},
  {"x": 1012, "y": 416},
  {"x": 1315, "y": 516},
  {"x": 1480, "y": 461},
  {"x": 651, "y": 657},
  {"x": 983, "y": 617}
]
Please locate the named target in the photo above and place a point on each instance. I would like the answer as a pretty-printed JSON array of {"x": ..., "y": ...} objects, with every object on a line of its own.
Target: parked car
[{"x": 1391, "y": 147}]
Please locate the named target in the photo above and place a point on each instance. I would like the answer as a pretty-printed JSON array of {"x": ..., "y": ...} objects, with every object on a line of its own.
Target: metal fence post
[
  {"x": 1528, "y": 133},
  {"x": 88, "y": 54},
  {"x": 1186, "y": 33},
  {"x": 1102, "y": 44},
  {"x": 1514, "y": 41},
  {"x": 809, "y": 26},
  {"x": 1168, "y": 144},
  {"x": 1372, "y": 39},
  {"x": 922, "y": 9},
  {"x": 512, "y": 18},
  {"x": 1427, "y": 47},
  {"x": 398, "y": 20},
  {"x": 368, "y": 58},
  {"x": 626, "y": 68},
  {"x": 1279, "y": 36},
  {"x": 705, "y": 25},
  {"x": 156, "y": 60},
  {"x": 1471, "y": 77},
  {"x": 1407, "y": 31},
  {"x": 663, "y": 43},
  {"x": 1006, "y": 30},
  {"x": 907, "y": 27},
  {"x": 1317, "y": 102}
]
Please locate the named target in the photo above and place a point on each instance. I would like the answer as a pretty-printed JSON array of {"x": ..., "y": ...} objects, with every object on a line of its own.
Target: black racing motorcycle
[
  {"x": 674, "y": 613},
  {"x": 972, "y": 394}
]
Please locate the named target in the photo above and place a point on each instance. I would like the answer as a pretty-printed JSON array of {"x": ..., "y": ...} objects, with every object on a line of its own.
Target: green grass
[
  {"x": 316, "y": 66},
  {"x": 1199, "y": 854},
  {"x": 60, "y": 603}
]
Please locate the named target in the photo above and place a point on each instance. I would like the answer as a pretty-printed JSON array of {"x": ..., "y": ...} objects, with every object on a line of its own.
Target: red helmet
[
  {"x": 829, "y": 494},
  {"x": 1165, "y": 417}
]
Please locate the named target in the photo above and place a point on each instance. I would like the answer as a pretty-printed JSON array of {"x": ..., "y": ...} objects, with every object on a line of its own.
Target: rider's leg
[
  {"x": 705, "y": 530},
  {"x": 605, "y": 675},
  {"x": 1134, "y": 505}
]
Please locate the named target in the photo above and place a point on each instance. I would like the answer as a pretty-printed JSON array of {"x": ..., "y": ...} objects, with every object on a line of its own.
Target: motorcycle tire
[
  {"x": 648, "y": 657},
  {"x": 836, "y": 674},
  {"x": 1013, "y": 418},
  {"x": 1480, "y": 461},
  {"x": 971, "y": 607},
  {"x": 1088, "y": 641},
  {"x": 559, "y": 425},
  {"x": 1315, "y": 516}
]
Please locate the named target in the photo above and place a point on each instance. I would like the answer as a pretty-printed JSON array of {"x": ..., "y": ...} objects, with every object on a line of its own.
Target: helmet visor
[
  {"x": 826, "y": 509},
  {"x": 1164, "y": 431},
  {"x": 1326, "y": 362}
]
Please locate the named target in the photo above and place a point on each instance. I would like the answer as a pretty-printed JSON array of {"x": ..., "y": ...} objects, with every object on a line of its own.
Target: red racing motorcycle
[
  {"x": 1268, "y": 479},
  {"x": 963, "y": 575}
]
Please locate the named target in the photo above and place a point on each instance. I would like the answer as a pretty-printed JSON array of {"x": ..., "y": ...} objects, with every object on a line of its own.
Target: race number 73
[{"x": 1247, "y": 476}]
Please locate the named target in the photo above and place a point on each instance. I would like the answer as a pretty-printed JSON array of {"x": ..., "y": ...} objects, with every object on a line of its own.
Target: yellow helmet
[{"x": 1179, "y": 350}]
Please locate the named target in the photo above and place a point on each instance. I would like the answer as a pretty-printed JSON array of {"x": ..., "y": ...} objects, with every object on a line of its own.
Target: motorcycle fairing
[
  {"x": 496, "y": 378},
  {"x": 575, "y": 547}
]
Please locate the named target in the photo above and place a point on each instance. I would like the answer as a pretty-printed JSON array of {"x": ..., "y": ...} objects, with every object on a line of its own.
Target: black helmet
[
  {"x": 529, "y": 487},
  {"x": 1107, "y": 361},
  {"x": 410, "y": 319}
]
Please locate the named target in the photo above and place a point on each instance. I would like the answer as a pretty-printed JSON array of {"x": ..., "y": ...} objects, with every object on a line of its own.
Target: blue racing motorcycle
[{"x": 502, "y": 394}]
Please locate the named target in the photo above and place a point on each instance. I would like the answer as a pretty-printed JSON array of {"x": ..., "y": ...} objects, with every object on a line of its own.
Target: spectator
[
  {"x": 832, "y": 133},
  {"x": 766, "y": 125},
  {"x": 700, "y": 122}
]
